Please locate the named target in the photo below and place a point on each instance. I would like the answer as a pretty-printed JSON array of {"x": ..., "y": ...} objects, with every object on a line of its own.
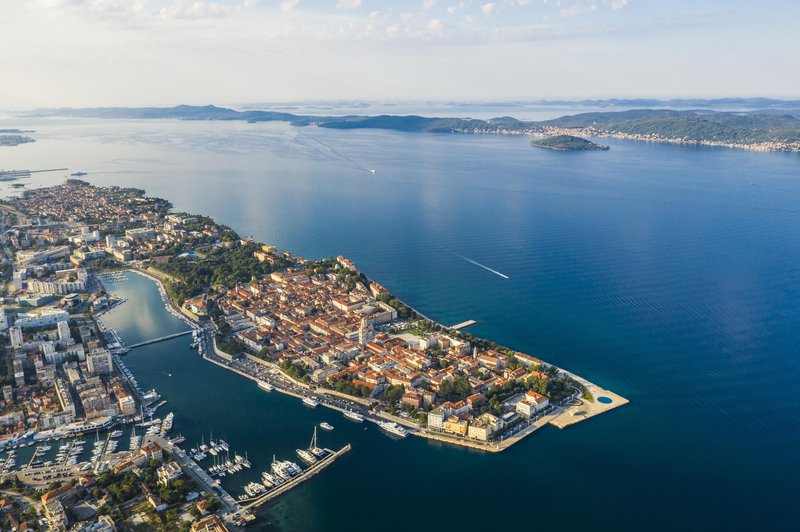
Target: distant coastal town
[
  {"x": 318, "y": 330},
  {"x": 756, "y": 130},
  {"x": 14, "y": 137}
]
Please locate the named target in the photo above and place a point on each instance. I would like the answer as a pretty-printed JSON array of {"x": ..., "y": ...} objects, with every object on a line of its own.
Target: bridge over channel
[{"x": 160, "y": 339}]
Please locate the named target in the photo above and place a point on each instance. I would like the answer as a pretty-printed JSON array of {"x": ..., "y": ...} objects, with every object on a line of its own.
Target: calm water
[{"x": 667, "y": 274}]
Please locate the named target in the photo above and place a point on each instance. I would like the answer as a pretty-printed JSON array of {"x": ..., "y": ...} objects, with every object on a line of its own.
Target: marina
[{"x": 294, "y": 479}]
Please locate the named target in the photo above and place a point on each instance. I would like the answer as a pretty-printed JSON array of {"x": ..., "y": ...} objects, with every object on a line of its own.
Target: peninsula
[
  {"x": 567, "y": 143},
  {"x": 317, "y": 330},
  {"x": 325, "y": 326}
]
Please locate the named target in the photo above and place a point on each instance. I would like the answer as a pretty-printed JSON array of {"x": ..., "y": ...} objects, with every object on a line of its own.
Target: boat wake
[{"x": 478, "y": 264}]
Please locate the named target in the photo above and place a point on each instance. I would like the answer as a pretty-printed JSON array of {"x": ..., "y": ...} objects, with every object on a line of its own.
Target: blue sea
[{"x": 668, "y": 274}]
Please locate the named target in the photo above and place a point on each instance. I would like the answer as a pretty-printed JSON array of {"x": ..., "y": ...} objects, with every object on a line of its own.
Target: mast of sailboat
[{"x": 314, "y": 439}]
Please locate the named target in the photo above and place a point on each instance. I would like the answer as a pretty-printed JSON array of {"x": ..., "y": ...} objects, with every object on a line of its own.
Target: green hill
[
  {"x": 567, "y": 143},
  {"x": 696, "y": 126}
]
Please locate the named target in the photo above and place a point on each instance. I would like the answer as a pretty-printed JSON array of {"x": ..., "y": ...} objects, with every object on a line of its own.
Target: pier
[
  {"x": 16, "y": 174},
  {"x": 160, "y": 339},
  {"x": 295, "y": 481},
  {"x": 463, "y": 325}
]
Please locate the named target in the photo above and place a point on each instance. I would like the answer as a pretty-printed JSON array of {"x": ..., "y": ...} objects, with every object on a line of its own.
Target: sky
[{"x": 86, "y": 53}]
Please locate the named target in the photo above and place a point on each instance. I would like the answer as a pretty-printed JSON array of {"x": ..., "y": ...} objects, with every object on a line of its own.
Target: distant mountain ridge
[{"x": 755, "y": 130}]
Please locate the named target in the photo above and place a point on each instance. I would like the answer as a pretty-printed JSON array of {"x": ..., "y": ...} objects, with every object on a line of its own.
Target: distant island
[
  {"x": 567, "y": 143},
  {"x": 12, "y": 137},
  {"x": 765, "y": 130}
]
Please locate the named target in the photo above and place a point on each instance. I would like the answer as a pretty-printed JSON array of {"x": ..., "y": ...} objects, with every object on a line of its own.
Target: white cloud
[
  {"x": 488, "y": 8},
  {"x": 288, "y": 5},
  {"x": 101, "y": 50},
  {"x": 348, "y": 4},
  {"x": 136, "y": 13}
]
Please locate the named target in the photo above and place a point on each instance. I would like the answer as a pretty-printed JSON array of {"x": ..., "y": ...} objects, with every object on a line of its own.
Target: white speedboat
[{"x": 325, "y": 425}]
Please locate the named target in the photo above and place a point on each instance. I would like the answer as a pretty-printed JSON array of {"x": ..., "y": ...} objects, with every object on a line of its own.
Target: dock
[
  {"x": 198, "y": 474},
  {"x": 293, "y": 482},
  {"x": 6, "y": 175},
  {"x": 463, "y": 325}
]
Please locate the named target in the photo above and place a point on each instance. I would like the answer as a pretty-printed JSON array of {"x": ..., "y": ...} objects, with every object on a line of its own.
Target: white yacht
[
  {"x": 310, "y": 401},
  {"x": 393, "y": 428},
  {"x": 307, "y": 456},
  {"x": 270, "y": 480},
  {"x": 352, "y": 415}
]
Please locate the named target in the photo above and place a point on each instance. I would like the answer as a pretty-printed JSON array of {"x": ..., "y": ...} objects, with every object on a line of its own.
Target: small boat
[{"x": 325, "y": 425}]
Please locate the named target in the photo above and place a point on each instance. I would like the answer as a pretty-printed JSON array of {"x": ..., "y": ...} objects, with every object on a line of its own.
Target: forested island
[
  {"x": 567, "y": 143},
  {"x": 765, "y": 130}
]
